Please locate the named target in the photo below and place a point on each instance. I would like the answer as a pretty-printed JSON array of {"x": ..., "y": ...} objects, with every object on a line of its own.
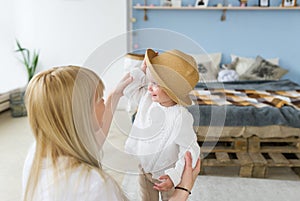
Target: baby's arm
[
  {"x": 172, "y": 176},
  {"x": 176, "y": 172},
  {"x": 187, "y": 141}
]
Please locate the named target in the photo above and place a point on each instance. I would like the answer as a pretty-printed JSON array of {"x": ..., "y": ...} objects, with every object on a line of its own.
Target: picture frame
[
  {"x": 201, "y": 3},
  {"x": 264, "y": 3},
  {"x": 289, "y": 3}
]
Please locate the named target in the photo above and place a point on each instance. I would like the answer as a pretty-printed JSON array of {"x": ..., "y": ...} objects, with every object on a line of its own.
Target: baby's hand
[
  {"x": 165, "y": 185},
  {"x": 144, "y": 66}
]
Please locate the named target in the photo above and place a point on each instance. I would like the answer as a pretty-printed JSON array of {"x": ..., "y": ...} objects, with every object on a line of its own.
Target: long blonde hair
[{"x": 60, "y": 104}]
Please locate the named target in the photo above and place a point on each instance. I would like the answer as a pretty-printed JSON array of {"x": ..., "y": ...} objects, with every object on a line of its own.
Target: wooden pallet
[
  {"x": 223, "y": 159},
  {"x": 226, "y": 144},
  {"x": 274, "y": 152},
  {"x": 254, "y": 155},
  {"x": 275, "y": 145},
  {"x": 225, "y": 152}
]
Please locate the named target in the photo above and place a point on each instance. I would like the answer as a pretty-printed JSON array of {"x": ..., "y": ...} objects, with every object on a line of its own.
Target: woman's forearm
[
  {"x": 112, "y": 102},
  {"x": 179, "y": 195},
  {"x": 110, "y": 107}
]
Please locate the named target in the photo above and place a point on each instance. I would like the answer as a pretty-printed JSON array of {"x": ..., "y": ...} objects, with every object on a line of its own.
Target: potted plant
[{"x": 30, "y": 61}]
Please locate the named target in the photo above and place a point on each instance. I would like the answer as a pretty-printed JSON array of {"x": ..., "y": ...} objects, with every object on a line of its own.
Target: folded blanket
[{"x": 247, "y": 98}]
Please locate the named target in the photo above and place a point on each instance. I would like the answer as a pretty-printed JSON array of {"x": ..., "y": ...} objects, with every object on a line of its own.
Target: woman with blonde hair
[{"x": 70, "y": 122}]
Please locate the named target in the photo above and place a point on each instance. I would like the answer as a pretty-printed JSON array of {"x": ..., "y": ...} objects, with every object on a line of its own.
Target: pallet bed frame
[{"x": 253, "y": 155}]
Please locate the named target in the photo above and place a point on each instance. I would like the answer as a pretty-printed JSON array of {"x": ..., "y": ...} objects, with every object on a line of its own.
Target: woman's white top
[
  {"x": 160, "y": 135},
  {"x": 78, "y": 185}
]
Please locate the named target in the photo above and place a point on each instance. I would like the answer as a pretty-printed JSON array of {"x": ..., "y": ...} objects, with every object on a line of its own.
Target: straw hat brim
[{"x": 135, "y": 56}]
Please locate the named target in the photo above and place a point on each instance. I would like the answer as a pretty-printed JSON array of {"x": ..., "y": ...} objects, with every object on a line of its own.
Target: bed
[
  {"x": 253, "y": 125},
  {"x": 251, "y": 120},
  {"x": 248, "y": 108}
]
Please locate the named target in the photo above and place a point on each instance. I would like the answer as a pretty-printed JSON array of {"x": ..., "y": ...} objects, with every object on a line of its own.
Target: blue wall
[{"x": 269, "y": 33}]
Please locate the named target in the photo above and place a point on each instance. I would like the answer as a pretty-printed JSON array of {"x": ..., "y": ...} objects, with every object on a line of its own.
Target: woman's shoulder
[
  {"x": 93, "y": 185},
  {"x": 80, "y": 182}
]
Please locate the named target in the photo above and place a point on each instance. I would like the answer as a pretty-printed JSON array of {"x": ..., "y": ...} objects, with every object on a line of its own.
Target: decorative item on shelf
[
  {"x": 176, "y": 3},
  {"x": 165, "y": 3},
  {"x": 17, "y": 97},
  {"x": 264, "y": 3},
  {"x": 201, "y": 3},
  {"x": 289, "y": 3},
  {"x": 225, "y": 3},
  {"x": 243, "y": 3}
]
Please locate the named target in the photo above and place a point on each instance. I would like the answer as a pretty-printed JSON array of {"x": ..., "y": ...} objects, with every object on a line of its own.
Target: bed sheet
[{"x": 271, "y": 111}]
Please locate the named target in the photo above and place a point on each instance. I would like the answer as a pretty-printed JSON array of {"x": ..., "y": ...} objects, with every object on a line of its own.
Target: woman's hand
[
  {"x": 124, "y": 82},
  {"x": 189, "y": 175},
  {"x": 112, "y": 102},
  {"x": 188, "y": 179}
]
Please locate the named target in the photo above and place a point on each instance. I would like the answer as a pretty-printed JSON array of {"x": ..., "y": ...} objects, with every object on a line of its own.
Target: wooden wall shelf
[
  {"x": 224, "y": 9},
  {"x": 215, "y": 8}
]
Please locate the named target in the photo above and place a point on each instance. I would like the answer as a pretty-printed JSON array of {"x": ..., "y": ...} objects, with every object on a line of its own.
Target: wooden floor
[{"x": 16, "y": 137}]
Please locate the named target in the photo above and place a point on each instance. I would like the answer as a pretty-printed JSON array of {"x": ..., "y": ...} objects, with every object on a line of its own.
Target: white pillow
[
  {"x": 208, "y": 66},
  {"x": 227, "y": 75},
  {"x": 244, "y": 63}
]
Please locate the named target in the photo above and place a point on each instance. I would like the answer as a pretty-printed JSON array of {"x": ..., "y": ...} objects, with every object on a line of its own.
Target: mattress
[{"x": 246, "y": 108}]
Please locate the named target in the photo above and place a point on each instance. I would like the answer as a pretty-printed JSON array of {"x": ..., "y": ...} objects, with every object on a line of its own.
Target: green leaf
[
  {"x": 29, "y": 62},
  {"x": 34, "y": 61}
]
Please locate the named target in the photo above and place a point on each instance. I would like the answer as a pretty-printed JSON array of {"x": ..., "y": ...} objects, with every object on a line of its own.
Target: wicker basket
[{"x": 17, "y": 104}]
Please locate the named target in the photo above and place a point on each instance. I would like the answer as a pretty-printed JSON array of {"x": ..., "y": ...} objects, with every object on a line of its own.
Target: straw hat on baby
[{"x": 175, "y": 71}]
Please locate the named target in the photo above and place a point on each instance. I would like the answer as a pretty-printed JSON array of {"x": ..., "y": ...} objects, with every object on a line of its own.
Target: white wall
[
  {"x": 11, "y": 73},
  {"x": 64, "y": 31}
]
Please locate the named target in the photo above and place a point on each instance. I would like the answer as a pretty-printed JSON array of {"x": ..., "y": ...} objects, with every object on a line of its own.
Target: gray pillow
[
  {"x": 262, "y": 69},
  {"x": 207, "y": 72}
]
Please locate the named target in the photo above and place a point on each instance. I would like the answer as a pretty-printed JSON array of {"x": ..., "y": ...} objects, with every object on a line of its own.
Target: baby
[{"x": 163, "y": 128}]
